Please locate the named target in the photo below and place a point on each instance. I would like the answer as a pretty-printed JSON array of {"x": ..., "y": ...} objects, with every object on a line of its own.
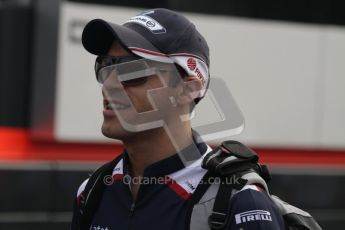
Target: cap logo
[
  {"x": 148, "y": 23},
  {"x": 191, "y": 63}
]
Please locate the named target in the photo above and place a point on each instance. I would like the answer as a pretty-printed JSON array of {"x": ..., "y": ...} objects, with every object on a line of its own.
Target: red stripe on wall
[
  {"x": 16, "y": 144},
  {"x": 302, "y": 156}
]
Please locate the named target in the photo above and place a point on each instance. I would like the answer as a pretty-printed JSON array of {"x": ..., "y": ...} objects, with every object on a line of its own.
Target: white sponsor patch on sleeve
[{"x": 254, "y": 215}]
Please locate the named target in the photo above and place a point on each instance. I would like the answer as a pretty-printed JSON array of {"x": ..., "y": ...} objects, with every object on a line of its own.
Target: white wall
[{"x": 287, "y": 78}]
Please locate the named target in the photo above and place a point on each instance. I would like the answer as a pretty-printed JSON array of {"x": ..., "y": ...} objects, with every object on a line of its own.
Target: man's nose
[{"x": 115, "y": 92}]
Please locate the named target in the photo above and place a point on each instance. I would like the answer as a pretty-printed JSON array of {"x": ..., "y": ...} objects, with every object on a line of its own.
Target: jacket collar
[{"x": 173, "y": 163}]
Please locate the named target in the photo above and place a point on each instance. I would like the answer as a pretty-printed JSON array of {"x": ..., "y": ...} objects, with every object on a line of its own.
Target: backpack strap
[
  {"x": 230, "y": 160},
  {"x": 232, "y": 157},
  {"x": 199, "y": 192},
  {"x": 219, "y": 216},
  {"x": 93, "y": 192}
]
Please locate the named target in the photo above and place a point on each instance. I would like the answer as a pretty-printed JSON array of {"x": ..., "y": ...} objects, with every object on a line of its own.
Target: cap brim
[{"x": 98, "y": 35}]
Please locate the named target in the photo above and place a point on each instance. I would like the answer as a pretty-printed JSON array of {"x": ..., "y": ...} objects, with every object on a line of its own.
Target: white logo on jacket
[
  {"x": 253, "y": 215},
  {"x": 98, "y": 228}
]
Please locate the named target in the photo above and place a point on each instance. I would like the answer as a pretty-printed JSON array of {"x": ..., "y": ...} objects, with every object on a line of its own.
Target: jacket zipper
[
  {"x": 131, "y": 211},
  {"x": 131, "y": 214}
]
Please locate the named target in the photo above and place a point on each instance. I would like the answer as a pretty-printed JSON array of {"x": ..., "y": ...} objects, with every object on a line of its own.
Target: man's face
[{"x": 113, "y": 98}]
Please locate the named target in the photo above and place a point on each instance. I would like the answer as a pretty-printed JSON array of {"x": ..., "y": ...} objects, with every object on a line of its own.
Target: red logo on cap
[{"x": 191, "y": 63}]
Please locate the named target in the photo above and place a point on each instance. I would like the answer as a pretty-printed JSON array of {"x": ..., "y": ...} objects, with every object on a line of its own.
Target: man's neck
[{"x": 153, "y": 146}]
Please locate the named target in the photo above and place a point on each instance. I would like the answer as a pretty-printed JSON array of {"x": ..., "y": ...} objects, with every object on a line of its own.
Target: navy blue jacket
[{"x": 163, "y": 196}]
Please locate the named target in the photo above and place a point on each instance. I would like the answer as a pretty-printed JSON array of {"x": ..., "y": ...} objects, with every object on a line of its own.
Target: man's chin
[{"x": 114, "y": 132}]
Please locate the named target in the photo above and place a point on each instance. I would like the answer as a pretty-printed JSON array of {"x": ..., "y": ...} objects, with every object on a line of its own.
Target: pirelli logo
[{"x": 253, "y": 215}]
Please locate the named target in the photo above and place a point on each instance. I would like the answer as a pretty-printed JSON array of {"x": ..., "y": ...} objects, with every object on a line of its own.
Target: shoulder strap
[
  {"x": 93, "y": 192},
  {"x": 232, "y": 157},
  {"x": 228, "y": 159},
  {"x": 218, "y": 218},
  {"x": 200, "y": 190}
]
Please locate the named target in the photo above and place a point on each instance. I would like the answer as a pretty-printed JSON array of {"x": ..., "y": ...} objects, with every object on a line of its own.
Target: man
[{"x": 153, "y": 69}]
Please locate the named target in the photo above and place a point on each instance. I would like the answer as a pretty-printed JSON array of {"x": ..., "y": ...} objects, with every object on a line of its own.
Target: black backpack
[{"x": 231, "y": 159}]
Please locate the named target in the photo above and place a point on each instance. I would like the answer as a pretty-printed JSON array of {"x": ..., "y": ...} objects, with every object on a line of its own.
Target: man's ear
[{"x": 190, "y": 89}]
